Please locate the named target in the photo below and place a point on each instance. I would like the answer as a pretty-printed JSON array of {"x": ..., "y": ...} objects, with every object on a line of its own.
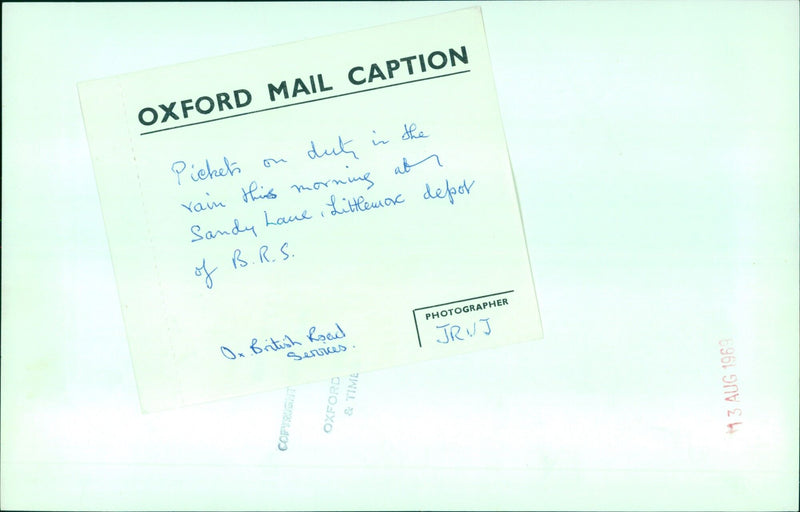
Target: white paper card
[{"x": 289, "y": 214}]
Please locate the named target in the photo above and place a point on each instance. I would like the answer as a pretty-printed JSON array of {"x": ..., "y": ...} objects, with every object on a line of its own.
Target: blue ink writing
[
  {"x": 199, "y": 271},
  {"x": 407, "y": 166},
  {"x": 280, "y": 221},
  {"x": 237, "y": 259},
  {"x": 379, "y": 141},
  {"x": 328, "y": 336},
  {"x": 236, "y": 230},
  {"x": 449, "y": 192},
  {"x": 274, "y": 345},
  {"x": 317, "y": 185},
  {"x": 313, "y": 153},
  {"x": 262, "y": 253},
  {"x": 410, "y": 132},
  {"x": 254, "y": 192},
  {"x": 177, "y": 168},
  {"x": 360, "y": 204},
  {"x": 228, "y": 353},
  {"x": 268, "y": 162},
  {"x": 201, "y": 207},
  {"x": 206, "y": 172},
  {"x": 316, "y": 352},
  {"x": 452, "y": 332}
]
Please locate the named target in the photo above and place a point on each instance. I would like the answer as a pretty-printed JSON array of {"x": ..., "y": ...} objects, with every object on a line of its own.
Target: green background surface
[{"x": 655, "y": 150}]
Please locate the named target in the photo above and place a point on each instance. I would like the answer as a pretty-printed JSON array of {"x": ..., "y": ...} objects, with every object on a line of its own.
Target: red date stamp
[{"x": 730, "y": 385}]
